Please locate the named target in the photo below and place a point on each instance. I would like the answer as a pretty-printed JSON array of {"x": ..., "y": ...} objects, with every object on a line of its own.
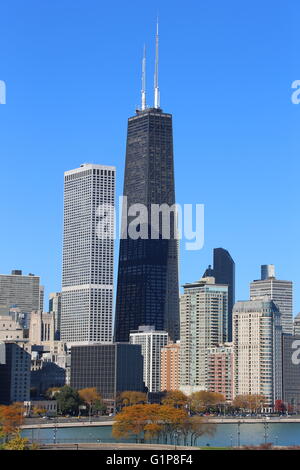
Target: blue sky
[{"x": 72, "y": 70}]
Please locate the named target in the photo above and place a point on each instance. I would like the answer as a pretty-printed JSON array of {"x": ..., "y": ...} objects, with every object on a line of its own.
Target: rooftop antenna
[
  {"x": 156, "y": 88},
  {"x": 144, "y": 80}
]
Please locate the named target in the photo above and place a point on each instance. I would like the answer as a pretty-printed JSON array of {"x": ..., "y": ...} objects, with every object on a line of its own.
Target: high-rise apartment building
[
  {"x": 291, "y": 372},
  {"x": 148, "y": 291},
  {"x": 151, "y": 342},
  {"x": 15, "y": 362},
  {"x": 224, "y": 273},
  {"x": 170, "y": 367},
  {"x": 281, "y": 292},
  {"x": 20, "y": 291},
  {"x": 257, "y": 337},
  {"x": 203, "y": 317},
  {"x": 220, "y": 368},
  {"x": 88, "y": 254}
]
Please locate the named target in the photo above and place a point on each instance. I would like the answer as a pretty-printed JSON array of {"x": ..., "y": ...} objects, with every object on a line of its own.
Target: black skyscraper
[
  {"x": 148, "y": 292},
  {"x": 224, "y": 273}
]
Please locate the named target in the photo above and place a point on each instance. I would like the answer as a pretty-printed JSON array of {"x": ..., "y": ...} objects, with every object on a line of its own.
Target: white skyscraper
[
  {"x": 88, "y": 255},
  {"x": 257, "y": 337},
  {"x": 203, "y": 324},
  {"x": 281, "y": 292},
  {"x": 151, "y": 342}
]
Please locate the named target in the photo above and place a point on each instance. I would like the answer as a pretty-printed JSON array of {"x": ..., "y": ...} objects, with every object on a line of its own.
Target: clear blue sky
[{"x": 72, "y": 70}]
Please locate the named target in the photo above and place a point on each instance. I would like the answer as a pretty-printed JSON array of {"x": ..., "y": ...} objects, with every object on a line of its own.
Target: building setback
[
  {"x": 257, "y": 336},
  {"x": 203, "y": 315},
  {"x": 151, "y": 342},
  {"x": 281, "y": 292},
  {"x": 88, "y": 252},
  {"x": 111, "y": 368}
]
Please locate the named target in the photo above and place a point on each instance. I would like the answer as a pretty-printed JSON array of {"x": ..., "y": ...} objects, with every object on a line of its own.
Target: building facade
[
  {"x": 20, "y": 291},
  {"x": 111, "y": 368},
  {"x": 88, "y": 254},
  {"x": 257, "y": 334},
  {"x": 15, "y": 361},
  {"x": 151, "y": 342},
  {"x": 170, "y": 367},
  {"x": 281, "y": 292},
  {"x": 55, "y": 308},
  {"x": 203, "y": 315},
  {"x": 220, "y": 370},
  {"x": 291, "y": 372},
  {"x": 148, "y": 290}
]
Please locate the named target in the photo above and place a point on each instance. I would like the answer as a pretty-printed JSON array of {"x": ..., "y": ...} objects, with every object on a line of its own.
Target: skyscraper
[
  {"x": 87, "y": 281},
  {"x": 203, "y": 317},
  {"x": 148, "y": 291},
  {"x": 224, "y": 273},
  {"x": 257, "y": 339},
  {"x": 18, "y": 290},
  {"x": 279, "y": 291}
]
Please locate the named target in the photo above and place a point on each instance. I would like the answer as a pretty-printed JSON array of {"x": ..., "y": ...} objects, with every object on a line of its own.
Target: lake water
[{"x": 226, "y": 434}]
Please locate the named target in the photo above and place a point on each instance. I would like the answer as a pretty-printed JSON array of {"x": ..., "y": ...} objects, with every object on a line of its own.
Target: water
[{"x": 226, "y": 435}]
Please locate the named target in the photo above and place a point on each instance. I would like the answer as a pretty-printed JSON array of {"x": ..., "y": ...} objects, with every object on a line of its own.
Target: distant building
[
  {"x": 20, "y": 291},
  {"x": 257, "y": 336},
  {"x": 281, "y": 292},
  {"x": 49, "y": 407},
  {"x": 14, "y": 372},
  {"x": 42, "y": 327},
  {"x": 296, "y": 330},
  {"x": 170, "y": 367},
  {"x": 151, "y": 342},
  {"x": 111, "y": 368},
  {"x": 55, "y": 308},
  {"x": 203, "y": 316},
  {"x": 220, "y": 370},
  {"x": 11, "y": 329},
  {"x": 224, "y": 273},
  {"x": 88, "y": 254},
  {"x": 291, "y": 371},
  {"x": 45, "y": 374}
]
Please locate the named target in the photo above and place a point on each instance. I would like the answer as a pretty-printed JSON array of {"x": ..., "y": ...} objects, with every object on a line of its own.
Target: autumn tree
[
  {"x": 129, "y": 398},
  {"x": 202, "y": 400},
  {"x": 90, "y": 396},
  {"x": 11, "y": 418},
  {"x": 249, "y": 402},
  {"x": 175, "y": 398}
]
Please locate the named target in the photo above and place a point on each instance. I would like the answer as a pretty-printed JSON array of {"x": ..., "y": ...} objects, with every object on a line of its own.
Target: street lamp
[{"x": 239, "y": 433}]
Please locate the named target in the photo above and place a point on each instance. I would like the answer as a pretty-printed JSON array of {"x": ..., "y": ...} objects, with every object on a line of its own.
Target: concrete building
[
  {"x": 151, "y": 342},
  {"x": 111, "y": 368},
  {"x": 20, "y": 291},
  {"x": 45, "y": 373},
  {"x": 281, "y": 292},
  {"x": 291, "y": 372},
  {"x": 14, "y": 371},
  {"x": 55, "y": 308},
  {"x": 170, "y": 367},
  {"x": 42, "y": 328},
  {"x": 220, "y": 370},
  {"x": 203, "y": 324},
  {"x": 257, "y": 336},
  {"x": 11, "y": 328},
  {"x": 88, "y": 255}
]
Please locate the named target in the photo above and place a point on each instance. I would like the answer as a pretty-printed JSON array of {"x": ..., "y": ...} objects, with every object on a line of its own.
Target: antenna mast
[
  {"x": 156, "y": 88},
  {"x": 144, "y": 80}
]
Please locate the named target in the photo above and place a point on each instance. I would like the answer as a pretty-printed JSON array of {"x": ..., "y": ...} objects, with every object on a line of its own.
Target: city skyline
[{"x": 37, "y": 244}]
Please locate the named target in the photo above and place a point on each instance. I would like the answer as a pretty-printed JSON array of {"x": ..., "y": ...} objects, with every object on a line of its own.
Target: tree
[
  {"x": 249, "y": 402},
  {"x": 202, "y": 400},
  {"x": 68, "y": 400},
  {"x": 11, "y": 418},
  {"x": 129, "y": 398},
  {"x": 90, "y": 396},
  {"x": 175, "y": 398}
]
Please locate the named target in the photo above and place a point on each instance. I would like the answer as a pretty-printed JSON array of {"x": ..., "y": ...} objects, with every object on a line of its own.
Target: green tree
[{"x": 68, "y": 400}]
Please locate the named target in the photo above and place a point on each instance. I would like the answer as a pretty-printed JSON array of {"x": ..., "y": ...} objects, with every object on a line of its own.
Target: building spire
[
  {"x": 156, "y": 88},
  {"x": 144, "y": 80}
]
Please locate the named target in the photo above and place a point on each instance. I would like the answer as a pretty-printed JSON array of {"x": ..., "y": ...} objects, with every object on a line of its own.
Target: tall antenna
[
  {"x": 144, "y": 80},
  {"x": 156, "y": 88}
]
